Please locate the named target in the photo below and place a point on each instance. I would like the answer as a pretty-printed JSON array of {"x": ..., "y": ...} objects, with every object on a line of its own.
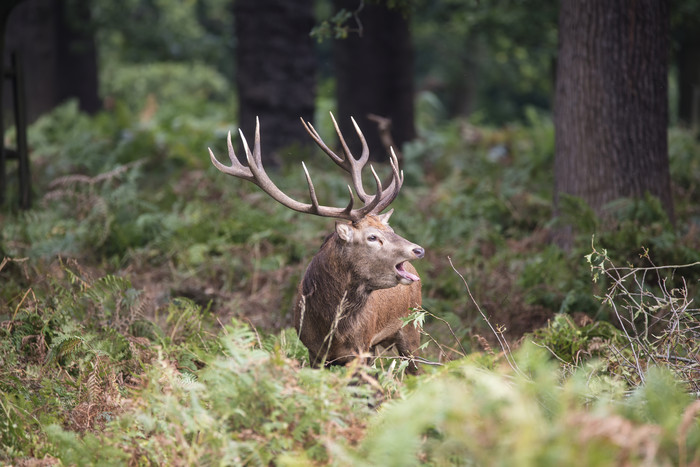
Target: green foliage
[
  {"x": 69, "y": 361},
  {"x": 572, "y": 344},
  {"x": 13, "y": 420},
  {"x": 546, "y": 275},
  {"x": 112, "y": 343},
  {"x": 193, "y": 84},
  {"x": 248, "y": 406},
  {"x": 685, "y": 170},
  {"x": 466, "y": 415},
  {"x": 86, "y": 450},
  {"x": 97, "y": 199},
  {"x": 490, "y": 59},
  {"x": 335, "y": 27},
  {"x": 343, "y": 23},
  {"x": 135, "y": 31},
  {"x": 653, "y": 308}
]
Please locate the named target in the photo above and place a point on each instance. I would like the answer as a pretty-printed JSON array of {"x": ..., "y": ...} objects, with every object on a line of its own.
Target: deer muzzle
[{"x": 407, "y": 277}]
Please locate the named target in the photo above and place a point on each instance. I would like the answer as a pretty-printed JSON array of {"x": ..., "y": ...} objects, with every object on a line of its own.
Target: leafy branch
[{"x": 657, "y": 319}]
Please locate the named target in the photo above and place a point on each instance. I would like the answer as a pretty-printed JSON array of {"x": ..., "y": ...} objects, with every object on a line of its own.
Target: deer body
[
  {"x": 352, "y": 296},
  {"x": 360, "y": 284}
]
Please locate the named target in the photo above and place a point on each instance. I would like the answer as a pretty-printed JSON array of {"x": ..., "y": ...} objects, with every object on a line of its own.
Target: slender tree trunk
[
  {"x": 374, "y": 75},
  {"x": 688, "y": 59},
  {"x": 275, "y": 70},
  {"x": 611, "y": 103}
]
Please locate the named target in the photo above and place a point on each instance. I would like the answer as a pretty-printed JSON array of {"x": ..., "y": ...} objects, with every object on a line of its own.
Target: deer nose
[{"x": 419, "y": 252}]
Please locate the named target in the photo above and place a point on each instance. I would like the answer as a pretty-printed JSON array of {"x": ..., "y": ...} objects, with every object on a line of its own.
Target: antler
[
  {"x": 354, "y": 166},
  {"x": 256, "y": 174}
]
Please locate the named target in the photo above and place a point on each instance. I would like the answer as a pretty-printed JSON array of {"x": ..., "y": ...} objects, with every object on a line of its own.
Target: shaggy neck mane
[{"x": 328, "y": 281}]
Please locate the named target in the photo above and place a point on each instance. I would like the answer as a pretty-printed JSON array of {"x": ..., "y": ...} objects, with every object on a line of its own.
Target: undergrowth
[{"x": 145, "y": 305}]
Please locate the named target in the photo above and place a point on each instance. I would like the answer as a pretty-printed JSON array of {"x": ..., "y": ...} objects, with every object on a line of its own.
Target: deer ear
[
  {"x": 344, "y": 231},
  {"x": 385, "y": 217}
]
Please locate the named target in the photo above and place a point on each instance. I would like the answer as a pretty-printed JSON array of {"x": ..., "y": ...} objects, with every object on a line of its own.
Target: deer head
[{"x": 379, "y": 255}]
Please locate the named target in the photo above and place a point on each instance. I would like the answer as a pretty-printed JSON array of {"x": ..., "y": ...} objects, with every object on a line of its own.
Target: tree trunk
[
  {"x": 611, "y": 102},
  {"x": 688, "y": 60},
  {"x": 275, "y": 70},
  {"x": 57, "y": 49},
  {"x": 76, "y": 62},
  {"x": 374, "y": 75}
]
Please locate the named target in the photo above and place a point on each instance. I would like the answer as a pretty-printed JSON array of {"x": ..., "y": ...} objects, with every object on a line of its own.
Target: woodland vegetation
[{"x": 145, "y": 298}]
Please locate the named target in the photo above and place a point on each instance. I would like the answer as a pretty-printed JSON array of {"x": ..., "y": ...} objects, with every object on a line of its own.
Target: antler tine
[
  {"x": 355, "y": 165},
  {"x": 372, "y": 206},
  {"x": 236, "y": 169},
  {"x": 314, "y": 200},
  {"x": 257, "y": 155},
  {"x": 317, "y": 138},
  {"x": 348, "y": 163},
  {"x": 365, "y": 149},
  {"x": 312, "y": 190},
  {"x": 263, "y": 180},
  {"x": 394, "y": 161},
  {"x": 393, "y": 189},
  {"x": 384, "y": 196}
]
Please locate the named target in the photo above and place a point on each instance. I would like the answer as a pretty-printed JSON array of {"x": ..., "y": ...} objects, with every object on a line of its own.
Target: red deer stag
[{"x": 360, "y": 284}]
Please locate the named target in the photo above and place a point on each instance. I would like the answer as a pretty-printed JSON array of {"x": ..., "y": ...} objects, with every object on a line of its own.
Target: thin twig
[
  {"x": 334, "y": 327},
  {"x": 257, "y": 336},
  {"x": 499, "y": 336},
  {"x": 646, "y": 308},
  {"x": 464, "y": 352}
]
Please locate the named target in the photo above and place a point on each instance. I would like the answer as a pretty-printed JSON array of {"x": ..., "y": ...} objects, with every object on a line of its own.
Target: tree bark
[
  {"x": 56, "y": 45},
  {"x": 275, "y": 70},
  {"x": 76, "y": 63},
  {"x": 374, "y": 75},
  {"x": 611, "y": 102}
]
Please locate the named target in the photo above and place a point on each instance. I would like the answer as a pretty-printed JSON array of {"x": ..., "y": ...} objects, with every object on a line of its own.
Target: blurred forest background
[{"x": 552, "y": 164}]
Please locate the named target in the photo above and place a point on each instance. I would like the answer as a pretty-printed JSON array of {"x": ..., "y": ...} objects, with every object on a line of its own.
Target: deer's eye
[{"x": 372, "y": 238}]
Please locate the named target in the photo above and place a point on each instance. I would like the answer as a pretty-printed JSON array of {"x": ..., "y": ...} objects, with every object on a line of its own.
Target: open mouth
[{"x": 406, "y": 277}]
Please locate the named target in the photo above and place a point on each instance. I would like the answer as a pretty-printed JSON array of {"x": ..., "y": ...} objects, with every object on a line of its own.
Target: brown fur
[{"x": 357, "y": 279}]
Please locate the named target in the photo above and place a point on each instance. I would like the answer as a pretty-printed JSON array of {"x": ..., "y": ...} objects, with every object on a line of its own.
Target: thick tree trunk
[
  {"x": 275, "y": 70},
  {"x": 57, "y": 49},
  {"x": 76, "y": 61},
  {"x": 374, "y": 75},
  {"x": 611, "y": 103}
]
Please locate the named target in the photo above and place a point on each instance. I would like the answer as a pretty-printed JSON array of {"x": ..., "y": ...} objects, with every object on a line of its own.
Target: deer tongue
[{"x": 405, "y": 274}]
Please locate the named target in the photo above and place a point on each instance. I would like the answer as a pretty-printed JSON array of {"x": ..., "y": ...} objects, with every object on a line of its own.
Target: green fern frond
[
  {"x": 93, "y": 384},
  {"x": 186, "y": 380},
  {"x": 76, "y": 279},
  {"x": 64, "y": 346},
  {"x": 147, "y": 329},
  {"x": 107, "y": 287},
  {"x": 184, "y": 316}
]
